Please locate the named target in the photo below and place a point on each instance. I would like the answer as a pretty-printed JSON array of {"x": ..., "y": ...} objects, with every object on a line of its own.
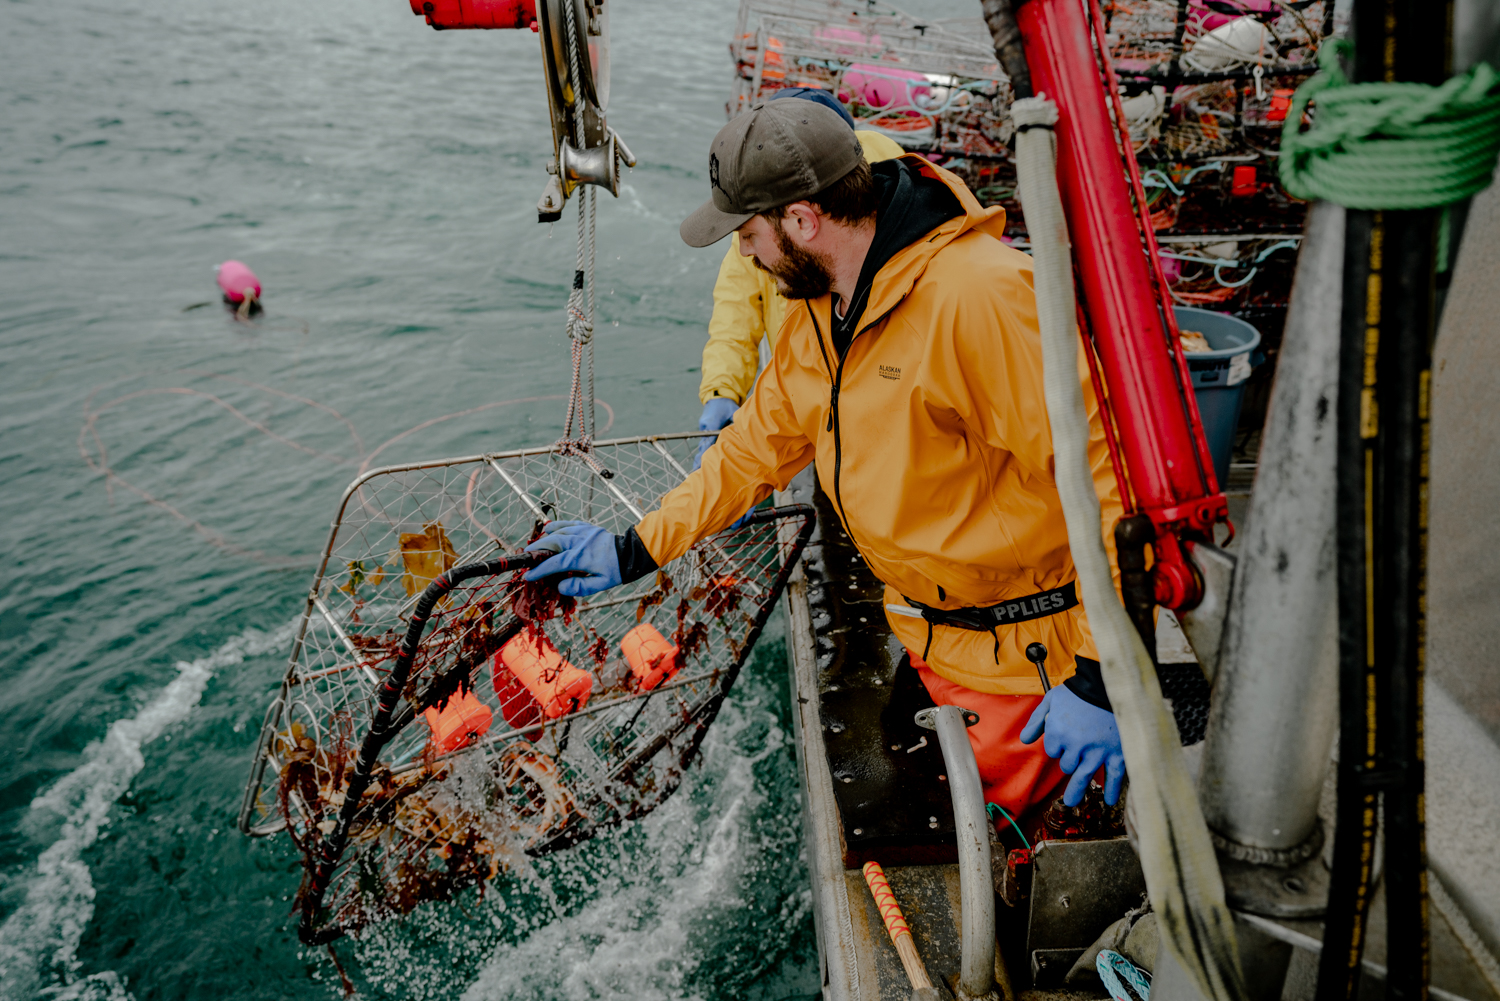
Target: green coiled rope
[{"x": 1391, "y": 145}]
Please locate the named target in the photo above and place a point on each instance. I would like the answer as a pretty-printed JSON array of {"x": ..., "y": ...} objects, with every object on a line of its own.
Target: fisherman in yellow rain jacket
[
  {"x": 909, "y": 370},
  {"x": 747, "y": 307}
]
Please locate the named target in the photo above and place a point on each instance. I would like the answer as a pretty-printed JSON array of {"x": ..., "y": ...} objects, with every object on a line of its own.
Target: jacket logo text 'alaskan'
[{"x": 890, "y": 372}]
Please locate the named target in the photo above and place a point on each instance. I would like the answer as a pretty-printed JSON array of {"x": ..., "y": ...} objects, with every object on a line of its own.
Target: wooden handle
[{"x": 895, "y": 925}]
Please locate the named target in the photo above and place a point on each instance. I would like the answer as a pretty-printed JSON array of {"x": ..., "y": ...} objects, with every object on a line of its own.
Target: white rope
[
  {"x": 1181, "y": 871},
  {"x": 589, "y": 280},
  {"x": 580, "y": 309}
]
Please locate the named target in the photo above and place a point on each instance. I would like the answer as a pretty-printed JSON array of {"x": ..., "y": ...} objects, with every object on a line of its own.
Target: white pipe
[{"x": 1177, "y": 857}]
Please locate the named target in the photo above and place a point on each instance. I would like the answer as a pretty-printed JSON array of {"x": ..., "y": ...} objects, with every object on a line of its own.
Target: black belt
[{"x": 989, "y": 618}]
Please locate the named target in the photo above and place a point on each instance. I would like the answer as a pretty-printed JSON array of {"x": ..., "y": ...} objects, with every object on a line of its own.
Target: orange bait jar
[
  {"x": 557, "y": 685},
  {"x": 651, "y": 658},
  {"x": 461, "y": 722}
]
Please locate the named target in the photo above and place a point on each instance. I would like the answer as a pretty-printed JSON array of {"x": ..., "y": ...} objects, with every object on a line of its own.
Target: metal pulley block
[
  {"x": 578, "y": 110},
  {"x": 590, "y": 22},
  {"x": 596, "y": 165}
]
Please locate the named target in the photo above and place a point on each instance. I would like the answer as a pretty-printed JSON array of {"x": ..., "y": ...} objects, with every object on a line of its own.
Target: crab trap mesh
[{"x": 440, "y": 717}]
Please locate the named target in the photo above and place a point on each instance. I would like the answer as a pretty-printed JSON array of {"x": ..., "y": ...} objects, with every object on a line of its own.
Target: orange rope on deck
[
  {"x": 885, "y": 901},
  {"x": 895, "y": 925}
]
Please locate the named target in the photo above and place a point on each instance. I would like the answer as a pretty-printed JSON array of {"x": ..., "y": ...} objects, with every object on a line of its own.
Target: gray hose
[{"x": 976, "y": 888}]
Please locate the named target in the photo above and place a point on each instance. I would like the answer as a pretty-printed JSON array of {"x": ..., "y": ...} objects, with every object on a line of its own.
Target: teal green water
[{"x": 168, "y": 473}]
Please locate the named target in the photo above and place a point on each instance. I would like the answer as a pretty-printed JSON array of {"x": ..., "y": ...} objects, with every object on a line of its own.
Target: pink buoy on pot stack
[{"x": 240, "y": 286}]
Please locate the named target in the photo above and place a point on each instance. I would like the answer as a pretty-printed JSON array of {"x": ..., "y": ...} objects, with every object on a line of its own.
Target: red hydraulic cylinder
[
  {"x": 443, "y": 14},
  {"x": 1166, "y": 459}
]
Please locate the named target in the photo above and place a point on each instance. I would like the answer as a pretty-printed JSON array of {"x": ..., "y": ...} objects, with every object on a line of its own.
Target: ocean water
[{"x": 168, "y": 474}]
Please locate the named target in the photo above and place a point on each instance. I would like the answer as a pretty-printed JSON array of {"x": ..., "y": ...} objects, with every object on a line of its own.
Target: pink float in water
[{"x": 237, "y": 280}]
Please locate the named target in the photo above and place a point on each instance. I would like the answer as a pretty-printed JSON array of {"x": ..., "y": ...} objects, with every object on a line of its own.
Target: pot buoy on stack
[{"x": 241, "y": 287}]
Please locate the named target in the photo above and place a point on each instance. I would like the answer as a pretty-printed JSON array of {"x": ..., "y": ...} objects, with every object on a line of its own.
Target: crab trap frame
[{"x": 441, "y": 718}]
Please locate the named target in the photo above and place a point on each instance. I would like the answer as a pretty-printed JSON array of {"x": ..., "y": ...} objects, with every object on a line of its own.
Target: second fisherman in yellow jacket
[{"x": 748, "y": 311}]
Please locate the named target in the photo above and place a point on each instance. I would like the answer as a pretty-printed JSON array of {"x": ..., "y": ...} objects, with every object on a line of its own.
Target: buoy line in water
[{"x": 95, "y": 453}]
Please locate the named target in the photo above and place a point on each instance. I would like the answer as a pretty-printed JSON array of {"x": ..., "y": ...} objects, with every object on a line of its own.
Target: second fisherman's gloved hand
[
  {"x": 1084, "y": 736},
  {"x": 717, "y": 413},
  {"x": 580, "y": 548}
]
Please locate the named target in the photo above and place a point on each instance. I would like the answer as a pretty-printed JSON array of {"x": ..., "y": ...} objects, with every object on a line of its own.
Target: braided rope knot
[
  {"x": 1397, "y": 146},
  {"x": 579, "y": 327}
]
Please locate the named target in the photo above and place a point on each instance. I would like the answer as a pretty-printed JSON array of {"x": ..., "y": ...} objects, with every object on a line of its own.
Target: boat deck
[{"x": 873, "y": 790}]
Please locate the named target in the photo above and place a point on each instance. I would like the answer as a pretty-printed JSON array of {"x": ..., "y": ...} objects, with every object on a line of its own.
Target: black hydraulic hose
[
  {"x": 1401, "y": 588},
  {"x": 1389, "y": 320},
  {"x": 381, "y": 731},
  {"x": 1357, "y": 803},
  {"x": 1000, "y": 17},
  {"x": 1383, "y": 432}
]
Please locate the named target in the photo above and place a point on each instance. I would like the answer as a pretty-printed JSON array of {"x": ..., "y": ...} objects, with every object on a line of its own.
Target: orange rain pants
[{"x": 1017, "y": 776}]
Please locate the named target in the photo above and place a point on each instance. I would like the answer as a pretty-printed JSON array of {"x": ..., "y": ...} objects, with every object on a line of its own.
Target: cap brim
[{"x": 709, "y": 224}]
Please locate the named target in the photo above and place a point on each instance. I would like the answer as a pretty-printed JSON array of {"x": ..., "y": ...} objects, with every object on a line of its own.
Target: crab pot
[{"x": 420, "y": 596}]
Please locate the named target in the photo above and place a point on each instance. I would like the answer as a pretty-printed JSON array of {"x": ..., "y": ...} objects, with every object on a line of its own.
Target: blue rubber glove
[
  {"x": 1084, "y": 737},
  {"x": 717, "y": 413},
  {"x": 580, "y": 548}
]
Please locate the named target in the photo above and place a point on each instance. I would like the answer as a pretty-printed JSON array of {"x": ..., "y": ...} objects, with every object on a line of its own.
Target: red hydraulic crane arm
[
  {"x": 449, "y": 14},
  {"x": 1168, "y": 473}
]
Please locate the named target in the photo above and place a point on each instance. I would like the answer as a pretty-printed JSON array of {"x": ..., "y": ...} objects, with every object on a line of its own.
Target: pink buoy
[
  {"x": 886, "y": 88},
  {"x": 236, "y": 279},
  {"x": 1208, "y": 19}
]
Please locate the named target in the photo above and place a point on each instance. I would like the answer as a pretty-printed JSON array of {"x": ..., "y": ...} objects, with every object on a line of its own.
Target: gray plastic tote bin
[{"x": 1219, "y": 377}]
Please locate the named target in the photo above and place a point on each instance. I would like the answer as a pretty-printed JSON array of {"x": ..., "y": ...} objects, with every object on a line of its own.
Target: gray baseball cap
[{"x": 772, "y": 155}]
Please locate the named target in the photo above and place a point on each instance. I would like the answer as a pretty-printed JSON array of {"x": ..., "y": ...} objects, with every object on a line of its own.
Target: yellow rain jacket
[
  {"x": 747, "y": 307},
  {"x": 931, "y": 438}
]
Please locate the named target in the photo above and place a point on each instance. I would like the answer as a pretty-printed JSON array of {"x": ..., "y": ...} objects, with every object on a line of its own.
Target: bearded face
[{"x": 801, "y": 273}]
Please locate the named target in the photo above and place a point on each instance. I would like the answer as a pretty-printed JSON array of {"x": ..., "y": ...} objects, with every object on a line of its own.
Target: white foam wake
[
  {"x": 642, "y": 938},
  {"x": 39, "y": 941}
]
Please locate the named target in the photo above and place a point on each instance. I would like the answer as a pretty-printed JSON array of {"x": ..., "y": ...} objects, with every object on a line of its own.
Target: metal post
[
  {"x": 1276, "y": 693},
  {"x": 976, "y": 978},
  {"x": 1275, "y": 699}
]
